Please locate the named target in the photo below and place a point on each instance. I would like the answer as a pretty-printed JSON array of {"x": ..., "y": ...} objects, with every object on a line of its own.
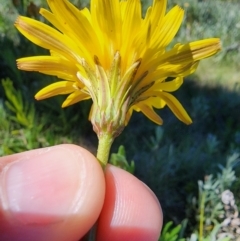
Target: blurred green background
[{"x": 181, "y": 164}]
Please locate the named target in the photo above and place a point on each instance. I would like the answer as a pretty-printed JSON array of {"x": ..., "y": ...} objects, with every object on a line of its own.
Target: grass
[{"x": 220, "y": 74}]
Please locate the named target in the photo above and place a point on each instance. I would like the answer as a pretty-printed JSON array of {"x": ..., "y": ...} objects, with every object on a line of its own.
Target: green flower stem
[
  {"x": 105, "y": 141},
  {"x": 104, "y": 146},
  {"x": 91, "y": 235}
]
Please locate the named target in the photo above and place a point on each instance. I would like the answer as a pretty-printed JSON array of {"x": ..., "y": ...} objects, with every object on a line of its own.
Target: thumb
[{"x": 52, "y": 193}]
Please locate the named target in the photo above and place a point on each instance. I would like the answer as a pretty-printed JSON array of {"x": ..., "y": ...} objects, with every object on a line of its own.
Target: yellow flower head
[{"x": 114, "y": 56}]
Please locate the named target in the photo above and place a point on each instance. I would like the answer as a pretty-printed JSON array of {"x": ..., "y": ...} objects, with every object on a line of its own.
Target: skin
[{"x": 58, "y": 193}]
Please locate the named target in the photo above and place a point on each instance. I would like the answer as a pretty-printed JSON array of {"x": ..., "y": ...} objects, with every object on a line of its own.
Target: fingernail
[{"x": 42, "y": 189}]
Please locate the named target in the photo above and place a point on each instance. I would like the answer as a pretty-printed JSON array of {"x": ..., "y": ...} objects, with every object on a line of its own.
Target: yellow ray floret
[{"x": 114, "y": 56}]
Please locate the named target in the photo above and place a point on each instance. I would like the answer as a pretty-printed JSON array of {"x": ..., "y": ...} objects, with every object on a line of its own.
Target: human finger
[
  {"x": 130, "y": 212},
  {"x": 53, "y": 193}
]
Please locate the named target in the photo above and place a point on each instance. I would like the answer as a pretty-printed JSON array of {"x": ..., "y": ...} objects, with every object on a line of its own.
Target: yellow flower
[{"x": 114, "y": 56}]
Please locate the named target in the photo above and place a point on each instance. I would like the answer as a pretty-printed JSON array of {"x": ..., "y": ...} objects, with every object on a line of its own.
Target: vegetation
[{"x": 188, "y": 167}]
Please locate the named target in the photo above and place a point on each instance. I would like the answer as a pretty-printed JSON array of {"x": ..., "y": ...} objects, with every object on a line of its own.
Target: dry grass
[{"x": 213, "y": 73}]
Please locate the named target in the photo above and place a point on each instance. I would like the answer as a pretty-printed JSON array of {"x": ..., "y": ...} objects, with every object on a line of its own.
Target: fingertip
[
  {"x": 56, "y": 192},
  {"x": 131, "y": 211}
]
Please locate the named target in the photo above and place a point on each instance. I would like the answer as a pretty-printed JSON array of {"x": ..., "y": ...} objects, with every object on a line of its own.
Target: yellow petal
[
  {"x": 48, "y": 38},
  {"x": 158, "y": 11},
  {"x": 167, "y": 30},
  {"x": 76, "y": 20},
  {"x": 58, "y": 88},
  {"x": 172, "y": 71},
  {"x": 49, "y": 65},
  {"x": 192, "y": 52},
  {"x": 168, "y": 86},
  {"x": 50, "y": 17},
  {"x": 110, "y": 24},
  {"x": 148, "y": 112},
  {"x": 131, "y": 19},
  {"x": 75, "y": 97},
  {"x": 156, "y": 102},
  {"x": 175, "y": 107},
  {"x": 152, "y": 21}
]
